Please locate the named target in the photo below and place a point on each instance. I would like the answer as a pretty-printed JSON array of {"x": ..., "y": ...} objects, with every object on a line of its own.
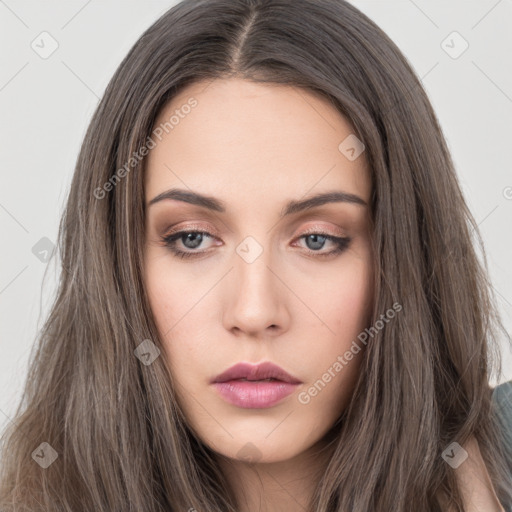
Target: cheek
[
  {"x": 180, "y": 310},
  {"x": 170, "y": 293},
  {"x": 352, "y": 298},
  {"x": 342, "y": 299},
  {"x": 168, "y": 298},
  {"x": 344, "y": 306}
]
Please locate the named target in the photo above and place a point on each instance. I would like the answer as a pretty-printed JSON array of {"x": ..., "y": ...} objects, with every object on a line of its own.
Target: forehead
[{"x": 236, "y": 138}]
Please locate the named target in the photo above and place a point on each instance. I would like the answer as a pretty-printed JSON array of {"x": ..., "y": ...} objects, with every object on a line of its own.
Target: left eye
[
  {"x": 193, "y": 239},
  {"x": 316, "y": 241}
]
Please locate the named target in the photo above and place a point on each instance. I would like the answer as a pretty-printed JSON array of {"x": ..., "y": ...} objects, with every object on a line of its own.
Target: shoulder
[
  {"x": 502, "y": 404},
  {"x": 478, "y": 492},
  {"x": 475, "y": 482},
  {"x": 502, "y": 400}
]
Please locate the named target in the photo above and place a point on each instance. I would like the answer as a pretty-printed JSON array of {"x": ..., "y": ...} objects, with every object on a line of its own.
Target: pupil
[
  {"x": 316, "y": 243},
  {"x": 194, "y": 238}
]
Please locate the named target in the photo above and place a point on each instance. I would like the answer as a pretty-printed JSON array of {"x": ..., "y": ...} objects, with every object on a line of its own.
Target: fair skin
[{"x": 255, "y": 147}]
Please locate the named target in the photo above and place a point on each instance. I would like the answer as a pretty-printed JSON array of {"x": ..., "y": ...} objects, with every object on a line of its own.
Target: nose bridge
[
  {"x": 257, "y": 300},
  {"x": 252, "y": 266}
]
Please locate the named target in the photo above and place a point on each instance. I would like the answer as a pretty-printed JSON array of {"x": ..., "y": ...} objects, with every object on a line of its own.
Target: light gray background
[{"x": 46, "y": 105}]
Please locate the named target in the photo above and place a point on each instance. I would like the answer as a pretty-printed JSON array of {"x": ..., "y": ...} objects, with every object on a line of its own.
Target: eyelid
[
  {"x": 312, "y": 229},
  {"x": 191, "y": 227},
  {"x": 317, "y": 228}
]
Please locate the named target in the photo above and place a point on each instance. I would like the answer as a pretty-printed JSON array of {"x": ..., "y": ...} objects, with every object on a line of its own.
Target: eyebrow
[{"x": 292, "y": 207}]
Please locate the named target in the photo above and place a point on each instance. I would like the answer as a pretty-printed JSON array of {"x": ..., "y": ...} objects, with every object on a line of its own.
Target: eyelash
[{"x": 169, "y": 241}]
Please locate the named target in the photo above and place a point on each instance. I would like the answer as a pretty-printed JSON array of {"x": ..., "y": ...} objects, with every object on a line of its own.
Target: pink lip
[{"x": 254, "y": 393}]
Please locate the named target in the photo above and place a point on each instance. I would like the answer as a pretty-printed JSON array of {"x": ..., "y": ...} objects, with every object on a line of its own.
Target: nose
[{"x": 257, "y": 303}]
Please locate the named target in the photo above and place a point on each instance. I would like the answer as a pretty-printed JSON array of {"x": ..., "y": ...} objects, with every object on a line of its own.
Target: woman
[{"x": 270, "y": 299}]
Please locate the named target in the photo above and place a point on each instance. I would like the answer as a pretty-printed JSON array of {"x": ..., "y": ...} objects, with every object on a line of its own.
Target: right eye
[{"x": 190, "y": 239}]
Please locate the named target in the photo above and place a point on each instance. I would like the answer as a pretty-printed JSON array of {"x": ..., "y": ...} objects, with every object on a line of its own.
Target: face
[{"x": 253, "y": 274}]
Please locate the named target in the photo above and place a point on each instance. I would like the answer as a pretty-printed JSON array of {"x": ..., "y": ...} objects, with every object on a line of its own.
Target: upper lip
[{"x": 260, "y": 371}]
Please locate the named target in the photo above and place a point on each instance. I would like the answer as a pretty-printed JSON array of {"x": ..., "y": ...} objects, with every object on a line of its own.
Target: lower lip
[{"x": 254, "y": 394}]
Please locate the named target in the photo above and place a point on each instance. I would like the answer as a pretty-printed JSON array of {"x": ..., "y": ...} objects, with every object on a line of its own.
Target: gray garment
[{"x": 502, "y": 399}]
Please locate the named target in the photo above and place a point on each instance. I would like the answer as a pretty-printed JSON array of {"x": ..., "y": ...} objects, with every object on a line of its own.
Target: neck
[{"x": 282, "y": 486}]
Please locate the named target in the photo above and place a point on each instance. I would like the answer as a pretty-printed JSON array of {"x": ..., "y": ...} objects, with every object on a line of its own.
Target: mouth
[
  {"x": 255, "y": 387},
  {"x": 266, "y": 371},
  {"x": 258, "y": 380}
]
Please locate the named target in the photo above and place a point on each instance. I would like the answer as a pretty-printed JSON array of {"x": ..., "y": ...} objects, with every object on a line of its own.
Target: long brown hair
[{"x": 122, "y": 442}]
